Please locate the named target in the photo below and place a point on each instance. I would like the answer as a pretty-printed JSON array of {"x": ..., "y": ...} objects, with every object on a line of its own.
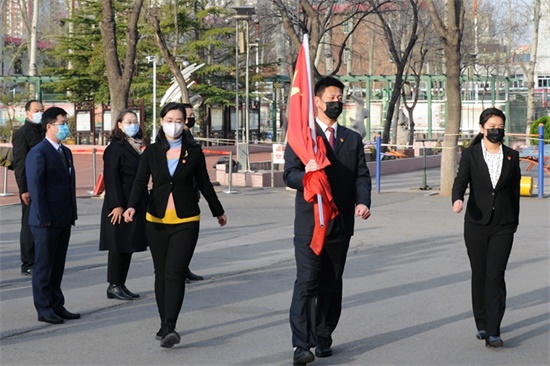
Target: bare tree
[
  {"x": 400, "y": 38},
  {"x": 450, "y": 28},
  {"x": 119, "y": 75},
  {"x": 318, "y": 19}
]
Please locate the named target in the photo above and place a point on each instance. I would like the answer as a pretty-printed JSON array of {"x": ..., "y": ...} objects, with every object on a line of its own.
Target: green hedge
[{"x": 535, "y": 129}]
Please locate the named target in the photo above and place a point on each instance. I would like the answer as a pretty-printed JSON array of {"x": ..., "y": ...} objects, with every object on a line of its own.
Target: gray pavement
[{"x": 406, "y": 290}]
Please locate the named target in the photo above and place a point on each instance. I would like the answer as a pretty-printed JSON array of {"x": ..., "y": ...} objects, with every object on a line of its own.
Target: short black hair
[
  {"x": 28, "y": 104},
  {"x": 187, "y": 105},
  {"x": 325, "y": 82},
  {"x": 173, "y": 106},
  {"x": 50, "y": 115}
]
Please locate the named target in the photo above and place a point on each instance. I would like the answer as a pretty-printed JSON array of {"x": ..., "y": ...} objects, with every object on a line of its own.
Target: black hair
[
  {"x": 117, "y": 133},
  {"x": 28, "y": 104},
  {"x": 484, "y": 117},
  {"x": 325, "y": 82},
  {"x": 50, "y": 115},
  {"x": 173, "y": 106},
  {"x": 187, "y": 105}
]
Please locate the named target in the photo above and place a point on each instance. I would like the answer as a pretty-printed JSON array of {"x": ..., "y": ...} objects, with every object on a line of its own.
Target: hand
[
  {"x": 116, "y": 215},
  {"x": 457, "y": 206},
  {"x": 26, "y": 198},
  {"x": 362, "y": 211},
  {"x": 129, "y": 214},
  {"x": 312, "y": 166},
  {"x": 222, "y": 220}
]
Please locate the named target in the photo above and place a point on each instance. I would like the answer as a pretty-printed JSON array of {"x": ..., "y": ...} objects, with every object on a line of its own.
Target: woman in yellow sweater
[{"x": 173, "y": 215}]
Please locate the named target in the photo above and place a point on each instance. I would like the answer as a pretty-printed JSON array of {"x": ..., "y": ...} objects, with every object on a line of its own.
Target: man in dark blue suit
[
  {"x": 51, "y": 184},
  {"x": 317, "y": 299}
]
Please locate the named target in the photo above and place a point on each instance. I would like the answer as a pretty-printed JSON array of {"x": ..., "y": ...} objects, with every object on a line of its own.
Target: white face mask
[
  {"x": 37, "y": 117},
  {"x": 172, "y": 129}
]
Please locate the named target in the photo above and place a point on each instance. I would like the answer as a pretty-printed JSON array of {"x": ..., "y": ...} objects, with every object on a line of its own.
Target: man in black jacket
[{"x": 28, "y": 135}]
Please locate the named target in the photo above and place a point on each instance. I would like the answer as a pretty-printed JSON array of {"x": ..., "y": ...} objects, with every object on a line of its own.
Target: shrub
[{"x": 535, "y": 129}]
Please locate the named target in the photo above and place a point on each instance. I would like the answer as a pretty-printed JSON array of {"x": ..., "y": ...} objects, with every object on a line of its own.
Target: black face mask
[
  {"x": 495, "y": 134},
  {"x": 334, "y": 109},
  {"x": 190, "y": 122}
]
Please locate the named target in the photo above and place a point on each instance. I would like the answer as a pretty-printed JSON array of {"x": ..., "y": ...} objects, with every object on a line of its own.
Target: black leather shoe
[
  {"x": 193, "y": 277},
  {"x": 67, "y": 315},
  {"x": 302, "y": 356},
  {"x": 323, "y": 351},
  {"x": 52, "y": 319},
  {"x": 494, "y": 342},
  {"x": 132, "y": 294},
  {"x": 27, "y": 272},
  {"x": 116, "y": 292},
  {"x": 481, "y": 334}
]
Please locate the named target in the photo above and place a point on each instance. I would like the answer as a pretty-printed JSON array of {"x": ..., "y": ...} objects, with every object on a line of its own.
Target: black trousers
[
  {"x": 172, "y": 247},
  {"x": 118, "y": 265},
  {"x": 26, "y": 240},
  {"x": 51, "y": 252},
  {"x": 317, "y": 298},
  {"x": 489, "y": 248}
]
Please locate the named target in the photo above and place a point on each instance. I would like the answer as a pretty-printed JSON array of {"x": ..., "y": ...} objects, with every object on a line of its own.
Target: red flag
[{"x": 303, "y": 140}]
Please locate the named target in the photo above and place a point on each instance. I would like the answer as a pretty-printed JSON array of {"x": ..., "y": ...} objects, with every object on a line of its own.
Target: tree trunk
[
  {"x": 153, "y": 17},
  {"x": 531, "y": 71},
  {"x": 451, "y": 35},
  {"x": 119, "y": 76}
]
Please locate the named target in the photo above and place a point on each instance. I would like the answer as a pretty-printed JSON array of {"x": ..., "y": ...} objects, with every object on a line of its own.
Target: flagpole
[{"x": 311, "y": 119}]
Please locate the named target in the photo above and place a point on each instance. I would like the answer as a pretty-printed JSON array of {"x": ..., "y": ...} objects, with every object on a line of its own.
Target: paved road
[{"x": 406, "y": 290}]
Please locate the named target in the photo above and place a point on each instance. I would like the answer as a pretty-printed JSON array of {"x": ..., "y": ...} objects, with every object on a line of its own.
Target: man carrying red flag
[{"x": 317, "y": 298}]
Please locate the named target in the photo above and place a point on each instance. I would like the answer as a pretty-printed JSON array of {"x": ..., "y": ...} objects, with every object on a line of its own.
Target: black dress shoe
[
  {"x": 494, "y": 342},
  {"x": 302, "y": 356},
  {"x": 132, "y": 294},
  {"x": 26, "y": 272},
  {"x": 67, "y": 315},
  {"x": 481, "y": 334},
  {"x": 52, "y": 319},
  {"x": 116, "y": 292},
  {"x": 323, "y": 351},
  {"x": 193, "y": 277}
]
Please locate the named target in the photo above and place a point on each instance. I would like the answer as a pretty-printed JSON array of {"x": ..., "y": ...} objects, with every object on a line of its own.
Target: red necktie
[{"x": 331, "y": 137}]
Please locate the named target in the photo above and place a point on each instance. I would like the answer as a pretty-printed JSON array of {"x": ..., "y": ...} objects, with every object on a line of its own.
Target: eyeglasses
[{"x": 178, "y": 121}]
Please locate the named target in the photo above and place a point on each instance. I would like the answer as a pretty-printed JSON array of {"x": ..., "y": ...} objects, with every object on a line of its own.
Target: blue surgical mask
[
  {"x": 37, "y": 117},
  {"x": 62, "y": 132},
  {"x": 131, "y": 129}
]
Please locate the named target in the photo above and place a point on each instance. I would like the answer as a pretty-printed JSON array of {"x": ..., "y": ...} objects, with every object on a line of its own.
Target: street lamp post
[
  {"x": 153, "y": 59},
  {"x": 243, "y": 13}
]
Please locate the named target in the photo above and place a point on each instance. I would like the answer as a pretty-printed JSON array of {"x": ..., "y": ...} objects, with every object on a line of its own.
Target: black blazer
[
  {"x": 191, "y": 164},
  {"x": 483, "y": 200},
  {"x": 348, "y": 176},
  {"x": 23, "y": 140},
  {"x": 51, "y": 186}
]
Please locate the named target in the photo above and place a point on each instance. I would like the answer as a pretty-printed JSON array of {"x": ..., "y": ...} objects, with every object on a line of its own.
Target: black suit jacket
[
  {"x": 23, "y": 140},
  {"x": 51, "y": 186},
  {"x": 503, "y": 199},
  {"x": 191, "y": 165},
  {"x": 348, "y": 176}
]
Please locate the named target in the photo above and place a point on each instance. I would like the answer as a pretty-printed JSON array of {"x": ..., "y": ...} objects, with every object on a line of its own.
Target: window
[{"x": 543, "y": 81}]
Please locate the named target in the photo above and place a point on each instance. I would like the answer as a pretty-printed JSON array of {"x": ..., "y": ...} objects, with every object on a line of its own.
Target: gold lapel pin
[
  {"x": 509, "y": 157},
  {"x": 341, "y": 139}
]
